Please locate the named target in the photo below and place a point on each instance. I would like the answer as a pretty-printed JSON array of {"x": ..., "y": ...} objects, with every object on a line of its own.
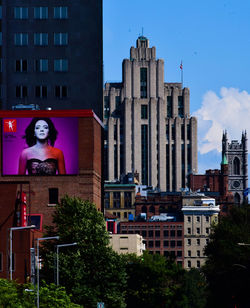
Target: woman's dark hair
[{"x": 30, "y": 132}]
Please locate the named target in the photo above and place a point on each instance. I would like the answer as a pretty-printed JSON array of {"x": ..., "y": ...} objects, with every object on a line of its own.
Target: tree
[
  {"x": 228, "y": 264},
  {"x": 91, "y": 271}
]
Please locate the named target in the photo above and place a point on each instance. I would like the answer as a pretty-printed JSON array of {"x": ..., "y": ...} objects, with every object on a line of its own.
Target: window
[
  {"x": 21, "y": 65},
  {"x": 198, "y": 230},
  {"x": 41, "y": 39},
  {"x": 189, "y": 241},
  {"x": 172, "y": 244},
  {"x": 21, "y": 91},
  {"x": 41, "y": 91},
  {"x": 169, "y": 106},
  {"x": 125, "y": 215},
  {"x": 21, "y": 39},
  {"x": 207, "y": 230},
  {"x": 144, "y": 233},
  {"x": 53, "y": 195},
  {"x": 144, "y": 111},
  {"x": 180, "y": 107},
  {"x": 179, "y": 243},
  {"x": 150, "y": 233},
  {"x": 151, "y": 244},
  {"x": 179, "y": 253},
  {"x": 41, "y": 12},
  {"x": 143, "y": 82},
  {"x": 189, "y": 253},
  {"x": 198, "y": 253},
  {"x": 116, "y": 199},
  {"x": 166, "y": 243},
  {"x": 35, "y": 219},
  {"x": 165, "y": 232},
  {"x": 127, "y": 199},
  {"x": 20, "y": 12},
  {"x": 207, "y": 218},
  {"x": 42, "y": 65},
  {"x": 236, "y": 166},
  {"x": 60, "y": 39},
  {"x": 172, "y": 233},
  {"x": 179, "y": 233},
  {"x": 0, "y": 12},
  {"x": 198, "y": 242},
  {"x": 207, "y": 241},
  {"x": 189, "y": 218},
  {"x": 61, "y": 65},
  {"x": 198, "y": 218},
  {"x": 166, "y": 253},
  {"x": 189, "y": 230},
  {"x": 157, "y": 243},
  {"x": 189, "y": 264},
  {"x": 61, "y": 91},
  {"x": 157, "y": 233},
  {"x": 61, "y": 12},
  {"x": 198, "y": 264}
]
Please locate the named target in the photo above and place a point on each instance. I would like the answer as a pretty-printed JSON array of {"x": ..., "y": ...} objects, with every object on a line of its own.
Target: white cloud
[{"x": 228, "y": 111}]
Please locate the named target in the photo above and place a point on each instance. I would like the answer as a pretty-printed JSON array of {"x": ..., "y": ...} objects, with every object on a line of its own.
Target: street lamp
[
  {"x": 11, "y": 230},
  {"x": 37, "y": 252},
  {"x": 57, "y": 259}
]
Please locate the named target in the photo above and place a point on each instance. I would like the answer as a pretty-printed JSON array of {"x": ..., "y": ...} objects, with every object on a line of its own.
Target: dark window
[
  {"x": 144, "y": 154},
  {"x": 165, "y": 232},
  {"x": 236, "y": 166},
  {"x": 41, "y": 65},
  {"x": 157, "y": 233},
  {"x": 198, "y": 264},
  {"x": 106, "y": 199},
  {"x": 61, "y": 91},
  {"x": 157, "y": 243},
  {"x": 151, "y": 244},
  {"x": 166, "y": 243},
  {"x": 169, "y": 106},
  {"x": 179, "y": 243},
  {"x": 167, "y": 132},
  {"x": 41, "y": 91},
  {"x": 21, "y": 65},
  {"x": 53, "y": 195},
  {"x": 127, "y": 199},
  {"x": 21, "y": 91},
  {"x": 180, "y": 107},
  {"x": 144, "y": 111},
  {"x": 179, "y": 253},
  {"x": 125, "y": 215},
  {"x": 166, "y": 253},
  {"x": 116, "y": 199},
  {"x": 143, "y": 82},
  {"x": 150, "y": 233},
  {"x": 60, "y": 12},
  {"x": 144, "y": 233},
  {"x": 172, "y": 233},
  {"x": 179, "y": 233},
  {"x": 172, "y": 243},
  {"x": 35, "y": 219}
]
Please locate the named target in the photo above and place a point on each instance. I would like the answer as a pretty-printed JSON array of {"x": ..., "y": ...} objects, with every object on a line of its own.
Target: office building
[
  {"x": 149, "y": 130},
  {"x": 51, "y": 54},
  {"x": 129, "y": 243}
]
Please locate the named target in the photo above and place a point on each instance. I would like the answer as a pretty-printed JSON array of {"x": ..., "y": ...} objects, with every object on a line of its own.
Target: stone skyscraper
[
  {"x": 148, "y": 124},
  {"x": 237, "y": 156}
]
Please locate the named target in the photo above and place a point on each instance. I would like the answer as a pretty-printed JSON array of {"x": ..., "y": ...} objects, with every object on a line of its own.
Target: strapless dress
[{"x": 36, "y": 166}]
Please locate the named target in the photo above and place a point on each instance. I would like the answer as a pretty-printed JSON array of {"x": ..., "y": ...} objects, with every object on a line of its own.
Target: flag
[{"x": 181, "y": 66}]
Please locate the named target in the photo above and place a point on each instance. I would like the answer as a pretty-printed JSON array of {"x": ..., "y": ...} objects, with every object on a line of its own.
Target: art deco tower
[{"x": 149, "y": 130}]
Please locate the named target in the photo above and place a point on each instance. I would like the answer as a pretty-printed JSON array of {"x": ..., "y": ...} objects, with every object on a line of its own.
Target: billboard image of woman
[{"x": 40, "y": 146}]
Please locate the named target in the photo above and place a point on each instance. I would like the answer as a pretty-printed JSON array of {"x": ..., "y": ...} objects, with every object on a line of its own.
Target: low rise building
[
  {"x": 199, "y": 212},
  {"x": 129, "y": 243}
]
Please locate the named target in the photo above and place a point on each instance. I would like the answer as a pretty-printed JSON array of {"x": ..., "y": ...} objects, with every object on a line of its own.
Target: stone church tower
[{"x": 237, "y": 156}]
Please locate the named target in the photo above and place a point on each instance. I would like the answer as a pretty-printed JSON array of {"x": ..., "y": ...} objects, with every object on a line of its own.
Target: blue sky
[{"x": 211, "y": 38}]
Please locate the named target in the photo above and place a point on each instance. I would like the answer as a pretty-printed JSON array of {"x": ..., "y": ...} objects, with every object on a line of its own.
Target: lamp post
[
  {"x": 37, "y": 252},
  {"x": 11, "y": 231},
  {"x": 57, "y": 259}
]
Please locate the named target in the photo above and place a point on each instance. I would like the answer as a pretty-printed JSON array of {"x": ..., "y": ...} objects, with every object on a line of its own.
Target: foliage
[
  {"x": 228, "y": 264},
  {"x": 13, "y": 295},
  {"x": 154, "y": 281},
  {"x": 91, "y": 271}
]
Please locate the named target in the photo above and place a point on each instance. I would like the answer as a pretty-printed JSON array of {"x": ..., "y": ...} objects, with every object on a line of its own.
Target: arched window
[
  {"x": 236, "y": 166},
  {"x": 144, "y": 209},
  {"x": 237, "y": 198},
  {"x": 152, "y": 209}
]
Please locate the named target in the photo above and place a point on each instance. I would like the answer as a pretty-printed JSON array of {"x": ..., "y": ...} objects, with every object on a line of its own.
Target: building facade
[
  {"x": 200, "y": 213},
  {"x": 237, "y": 156},
  {"x": 51, "y": 54},
  {"x": 149, "y": 130},
  {"x": 129, "y": 243}
]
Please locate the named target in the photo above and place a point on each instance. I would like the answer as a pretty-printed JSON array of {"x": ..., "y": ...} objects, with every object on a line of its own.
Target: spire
[{"x": 224, "y": 160}]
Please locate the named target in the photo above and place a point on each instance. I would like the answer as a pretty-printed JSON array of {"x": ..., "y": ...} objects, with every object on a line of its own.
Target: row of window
[
  {"x": 118, "y": 214},
  {"x": 42, "y": 65},
  {"x": 198, "y": 218},
  {"x": 157, "y": 233},
  {"x": 171, "y": 244},
  {"x": 198, "y": 264},
  {"x": 41, "y": 39},
  {"x": 198, "y": 253},
  {"x": 41, "y": 91},
  {"x": 198, "y": 230},
  {"x": 198, "y": 241},
  {"x": 41, "y": 12}
]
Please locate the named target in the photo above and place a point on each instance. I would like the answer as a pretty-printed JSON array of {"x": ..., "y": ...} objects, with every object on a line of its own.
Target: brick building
[{"x": 44, "y": 191}]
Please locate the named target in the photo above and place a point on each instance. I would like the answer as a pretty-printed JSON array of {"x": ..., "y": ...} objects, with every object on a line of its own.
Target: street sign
[{"x": 100, "y": 305}]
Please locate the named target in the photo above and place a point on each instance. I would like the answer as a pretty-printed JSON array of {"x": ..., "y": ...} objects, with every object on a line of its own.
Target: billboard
[{"x": 40, "y": 146}]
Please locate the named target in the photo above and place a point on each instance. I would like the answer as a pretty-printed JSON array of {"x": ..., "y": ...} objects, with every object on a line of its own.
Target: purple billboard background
[{"x": 67, "y": 140}]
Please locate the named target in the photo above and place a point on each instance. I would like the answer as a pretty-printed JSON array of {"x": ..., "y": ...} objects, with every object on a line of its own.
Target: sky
[{"x": 212, "y": 40}]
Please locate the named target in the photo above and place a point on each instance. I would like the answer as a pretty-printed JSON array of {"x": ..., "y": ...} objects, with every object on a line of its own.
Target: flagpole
[{"x": 181, "y": 67}]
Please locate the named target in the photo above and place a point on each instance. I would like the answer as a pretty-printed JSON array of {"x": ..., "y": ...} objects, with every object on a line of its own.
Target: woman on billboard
[{"x": 41, "y": 158}]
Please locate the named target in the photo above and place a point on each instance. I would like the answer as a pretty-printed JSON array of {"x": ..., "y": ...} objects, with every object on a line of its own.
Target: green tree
[
  {"x": 91, "y": 271},
  {"x": 228, "y": 264}
]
